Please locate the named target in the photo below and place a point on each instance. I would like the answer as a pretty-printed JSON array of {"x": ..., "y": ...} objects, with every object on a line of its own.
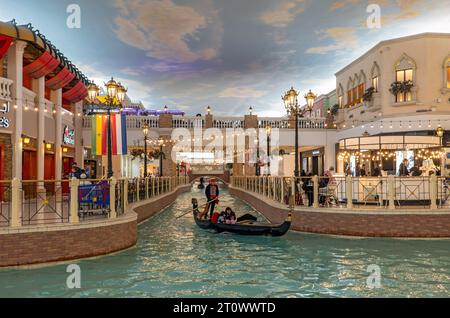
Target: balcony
[{"x": 5, "y": 89}]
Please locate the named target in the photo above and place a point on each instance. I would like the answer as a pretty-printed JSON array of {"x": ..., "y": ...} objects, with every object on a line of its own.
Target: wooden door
[{"x": 49, "y": 172}]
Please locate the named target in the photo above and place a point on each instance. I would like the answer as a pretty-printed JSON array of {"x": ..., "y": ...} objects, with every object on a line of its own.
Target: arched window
[
  {"x": 361, "y": 86},
  {"x": 350, "y": 92},
  {"x": 355, "y": 90},
  {"x": 405, "y": 73},
  {"x": 375, "y": 76},
  {"x": 340, "y": 96},
  {"x": 447, "y": 72}
]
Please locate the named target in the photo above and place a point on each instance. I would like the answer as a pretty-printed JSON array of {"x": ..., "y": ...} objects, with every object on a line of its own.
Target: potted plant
[
  {"x": 401, "y": 87},
  {"x": 368, "y": 94}
]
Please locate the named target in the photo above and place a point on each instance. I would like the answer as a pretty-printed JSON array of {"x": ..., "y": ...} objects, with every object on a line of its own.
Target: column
[
  {"x": 15, "y": 73},
  {"x": 39, "y": 89},
  {"x": 78, "y": 126},
  {"x": 56, "y": 97},
  {"x": 330, "y": 154}
]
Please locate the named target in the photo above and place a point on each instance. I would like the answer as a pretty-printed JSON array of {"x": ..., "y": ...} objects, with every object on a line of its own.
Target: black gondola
[{"x": 246, "y": 225}]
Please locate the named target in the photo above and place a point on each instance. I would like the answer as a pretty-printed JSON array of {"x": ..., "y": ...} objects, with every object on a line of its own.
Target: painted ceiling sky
[{"x": 230, "y": 54}]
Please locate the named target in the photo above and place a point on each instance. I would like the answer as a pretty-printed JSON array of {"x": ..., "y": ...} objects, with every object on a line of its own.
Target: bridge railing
[
  {"x": 40, "y": 202},
  {"x": 351, "y": 192}
]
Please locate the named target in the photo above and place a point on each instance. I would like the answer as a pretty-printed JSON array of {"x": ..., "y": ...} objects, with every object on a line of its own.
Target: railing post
[
  {"x": 138, "y": 189},
  {"x": 264, "y": 186},
  {"x": 316, "y": 191},
  {"x": 16, "y": 202},
  {"x": 157, "y": 186},
  {"x": 349, "y": 191},
  {"x": 146, "y": 188},
  {"x": 112, "y": 198},
  {"x": 433, "y": 191},
  {"x": 125, "y": 195},
  {"x": 153, "y": 187},
  {"x": 391, "y": 192},
  {"x": 74, "y": 184}
]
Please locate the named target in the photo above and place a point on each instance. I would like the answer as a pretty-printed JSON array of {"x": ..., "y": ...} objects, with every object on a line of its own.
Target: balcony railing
[
  {"x": 5, "y": 89},
  {"x": 31, "y": 203},
  {"x": 349, "y": 192},
  {"x": 137, "y": 122}
]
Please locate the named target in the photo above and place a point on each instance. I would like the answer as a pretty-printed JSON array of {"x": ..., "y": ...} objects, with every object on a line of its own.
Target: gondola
[{"x": 246, "y": 225}]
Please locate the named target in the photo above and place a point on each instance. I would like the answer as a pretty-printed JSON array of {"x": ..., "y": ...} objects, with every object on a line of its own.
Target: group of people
[
  {"x": 225, "y": 217},
  {"x": 78, "y": 173}
]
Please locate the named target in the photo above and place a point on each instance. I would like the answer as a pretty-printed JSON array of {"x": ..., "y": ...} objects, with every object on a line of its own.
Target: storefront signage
[
  {"x": 316, "y": 153},
  {"x": 4, "y": 111},
  {"x": 69, "y": 136}
]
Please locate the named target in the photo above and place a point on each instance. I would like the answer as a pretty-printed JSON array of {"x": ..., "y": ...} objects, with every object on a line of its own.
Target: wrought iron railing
[
  {"x": 5, "y": 203},
  {"x": 351, "y": 192}
]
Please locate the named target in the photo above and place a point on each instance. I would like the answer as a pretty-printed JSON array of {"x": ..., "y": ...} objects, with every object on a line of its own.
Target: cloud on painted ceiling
[
  {"x": 166, "y": 30},
  {"x": 283, "y": 14},
  {"x": 242, "y": 92}
]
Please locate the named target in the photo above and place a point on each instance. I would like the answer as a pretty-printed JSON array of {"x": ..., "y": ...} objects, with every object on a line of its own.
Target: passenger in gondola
[
  {"x": 222, "y": 218},
  {"x": 231, "y": 216}
]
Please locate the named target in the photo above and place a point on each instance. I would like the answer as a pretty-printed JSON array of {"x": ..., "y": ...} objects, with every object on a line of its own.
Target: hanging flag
[{"x": 100, "y": 135}]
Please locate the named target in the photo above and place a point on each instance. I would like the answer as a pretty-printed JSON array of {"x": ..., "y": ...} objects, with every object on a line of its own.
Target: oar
[{"x": 206, "y": 206}]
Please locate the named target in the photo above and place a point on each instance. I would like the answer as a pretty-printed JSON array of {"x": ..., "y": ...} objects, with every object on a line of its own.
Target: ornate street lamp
[
  {"x": 115, "y": 95},
  {"x": 310, "y": 100},
  {"x": 290, "y": 100},
  {"x": 145, "y": 131},
  {"x": 269, "y": 133},
  {"x": 440, "y": 133},
  {"x": 161, "y": 149}
]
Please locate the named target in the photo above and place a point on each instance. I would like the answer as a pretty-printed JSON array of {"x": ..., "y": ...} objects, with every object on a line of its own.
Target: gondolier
[{"x": 212, "y": 195}]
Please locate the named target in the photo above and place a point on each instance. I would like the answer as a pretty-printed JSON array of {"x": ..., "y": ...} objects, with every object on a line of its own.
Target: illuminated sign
[
  {"x": 4, "y": 110},
  {"x": 69, "y": 136}
]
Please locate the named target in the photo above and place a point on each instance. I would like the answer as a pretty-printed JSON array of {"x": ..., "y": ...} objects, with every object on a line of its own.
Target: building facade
[
  {"x": 41, "y": 99},
  {"x": 400, "y": 88}
]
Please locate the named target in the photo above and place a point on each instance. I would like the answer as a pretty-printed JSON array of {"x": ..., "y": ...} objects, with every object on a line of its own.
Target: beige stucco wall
[{"x": 428, "y": 51}]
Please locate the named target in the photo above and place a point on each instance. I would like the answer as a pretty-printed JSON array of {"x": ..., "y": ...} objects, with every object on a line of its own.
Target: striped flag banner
[{"x": 99, "y": 135}]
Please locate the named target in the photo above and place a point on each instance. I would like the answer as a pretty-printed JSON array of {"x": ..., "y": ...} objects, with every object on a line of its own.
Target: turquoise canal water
[{"x": 177, "y": 259}]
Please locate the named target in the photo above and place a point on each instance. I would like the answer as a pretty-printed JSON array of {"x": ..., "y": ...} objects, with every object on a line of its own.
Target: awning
[
  {"x": 43, "y": 66},
  {"x": 60, "y": 80},
  {"x": 77, "y": 93},
  {"x": 5, "y": 42}
]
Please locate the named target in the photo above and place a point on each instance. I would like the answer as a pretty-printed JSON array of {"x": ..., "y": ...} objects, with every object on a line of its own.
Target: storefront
[
  {"x": 313, "y": 161},
  {"x": 423, "y": 152}
]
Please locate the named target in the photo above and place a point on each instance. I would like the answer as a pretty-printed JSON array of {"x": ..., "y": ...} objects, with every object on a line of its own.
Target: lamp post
[
  {"x": 161, "y": 144},
  {"x": 290, "y": 100},
  {"x": 115, "y": 95},
  {"x": 145, "y": 131},
  {"x": 269, "y": 133},
  {"x": 258, "y": 154}
]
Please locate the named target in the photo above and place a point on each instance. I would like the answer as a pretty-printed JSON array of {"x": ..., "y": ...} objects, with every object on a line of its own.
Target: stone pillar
[
  {"x": 74, "y": 184},
  {"x": 39, "y": 89},
  {"x": 209, "y": 121},
  {"x": 391, "y": 192},
  {"x": 112, "y": 197},
  {"x": 16, "y": 203},
  {"x": 56, "y": 97},
  {"x": 165, "y": 121},
  {"x": 349, "y": 191},
  {"x": 330, "y": 155},
  {"x": 15, "y": 73},
  {"x": 78, "y": 125},
  {"x": 169, "y": 166},
  {"x": 315, "y": 180}
]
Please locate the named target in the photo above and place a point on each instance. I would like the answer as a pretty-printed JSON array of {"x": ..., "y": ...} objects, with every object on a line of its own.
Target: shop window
[{"x": 355, "y": 96}]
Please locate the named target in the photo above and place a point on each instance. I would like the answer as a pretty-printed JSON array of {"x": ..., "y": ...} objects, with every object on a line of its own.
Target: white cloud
[
  {"x": 283, "y": 15},
  {"x": 163, "y": 29},
  {"x": 242, "y": 92},
  {"x": 342, "y": 38}
]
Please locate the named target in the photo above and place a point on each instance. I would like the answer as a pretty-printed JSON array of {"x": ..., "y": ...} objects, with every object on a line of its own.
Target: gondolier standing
[{"x": 212, "y": 194}]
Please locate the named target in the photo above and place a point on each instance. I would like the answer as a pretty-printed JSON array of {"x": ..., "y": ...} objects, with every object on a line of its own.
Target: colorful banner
[{"x": 99, "y": 135}]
